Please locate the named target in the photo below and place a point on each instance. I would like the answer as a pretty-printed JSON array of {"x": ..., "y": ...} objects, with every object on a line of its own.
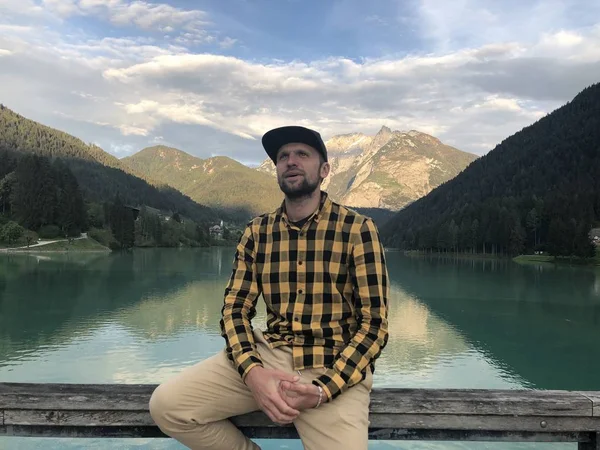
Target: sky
[{"x": 211, "y": 77}]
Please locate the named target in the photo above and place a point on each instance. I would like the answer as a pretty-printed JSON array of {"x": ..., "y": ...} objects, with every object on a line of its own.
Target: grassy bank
[
  {"x": 452, "y": 255},
  {"x": 522, "y": 259},
  {"x": 559, "y": 259},
  {"x": 78, "y": 245}
]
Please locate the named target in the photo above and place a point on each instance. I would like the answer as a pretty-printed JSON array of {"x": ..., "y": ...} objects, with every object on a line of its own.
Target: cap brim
[{"x": 275, "y": 139}]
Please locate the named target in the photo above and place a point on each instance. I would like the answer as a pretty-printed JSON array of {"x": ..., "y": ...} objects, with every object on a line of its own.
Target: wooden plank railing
[{"x": 121, "y": 410}]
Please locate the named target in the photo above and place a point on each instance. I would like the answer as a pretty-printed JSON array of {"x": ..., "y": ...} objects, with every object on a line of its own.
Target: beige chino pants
[{"x": 194, "y": 406}]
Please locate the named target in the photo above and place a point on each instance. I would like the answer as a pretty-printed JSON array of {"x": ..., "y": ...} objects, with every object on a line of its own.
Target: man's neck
[{"x": 297, "y": 209}]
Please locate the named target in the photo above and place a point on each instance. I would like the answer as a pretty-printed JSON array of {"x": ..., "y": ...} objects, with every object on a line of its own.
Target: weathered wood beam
[
  {"x": 102, "y": 410},
  {"x": 594, "y": 397},
  {"x": 135, "y": 397}
]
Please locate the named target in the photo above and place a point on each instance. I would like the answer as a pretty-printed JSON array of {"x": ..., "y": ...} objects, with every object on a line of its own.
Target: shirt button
[
  {"x": 299, "y": 291},
  {"x": 299, "y": 263},
  {"x": 296, "y": 319}
]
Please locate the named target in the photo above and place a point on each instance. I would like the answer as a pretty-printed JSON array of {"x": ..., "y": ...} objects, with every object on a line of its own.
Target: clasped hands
[{"x": 280, "y": 395}]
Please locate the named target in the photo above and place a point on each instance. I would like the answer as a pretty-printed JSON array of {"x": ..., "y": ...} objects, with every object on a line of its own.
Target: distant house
[{"x": 216, "y": 231}]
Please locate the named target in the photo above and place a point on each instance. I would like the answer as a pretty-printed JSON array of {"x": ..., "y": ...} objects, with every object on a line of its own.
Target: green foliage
[
  {"x": 538, "y": 190},
  {"x": 33, "y": 197},
  {"x": 29, "y": 237},
  {"x": 70, "y": 210},
  {"x": 6, "y": 187},
  {"x": 104, "y": 236},
  {"x": 122, "y": 223},
  {"x": 41, "y": 193},
  {"x": 50, "y": 232},
  {"x": 11, "y": 232},
  {"x": 95, "y": 215}
]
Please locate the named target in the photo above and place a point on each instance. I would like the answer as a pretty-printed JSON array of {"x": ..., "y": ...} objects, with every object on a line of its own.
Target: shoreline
[
  {"x": 519, "y": 259},
  {"x": 83, "y": 244}
]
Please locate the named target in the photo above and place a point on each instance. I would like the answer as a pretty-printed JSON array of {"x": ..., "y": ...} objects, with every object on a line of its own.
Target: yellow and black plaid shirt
[{"x": 325, "y": 286}]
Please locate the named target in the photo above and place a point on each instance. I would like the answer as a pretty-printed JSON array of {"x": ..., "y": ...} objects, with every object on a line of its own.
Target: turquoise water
[{"x": 140, "y": 317}]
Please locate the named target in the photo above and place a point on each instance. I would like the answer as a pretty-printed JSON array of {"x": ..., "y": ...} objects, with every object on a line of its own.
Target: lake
[{"x": 140, "y": 317}]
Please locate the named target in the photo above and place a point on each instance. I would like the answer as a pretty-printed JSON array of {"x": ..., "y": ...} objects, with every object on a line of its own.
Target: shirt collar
[{"x": 324, "y": 206}]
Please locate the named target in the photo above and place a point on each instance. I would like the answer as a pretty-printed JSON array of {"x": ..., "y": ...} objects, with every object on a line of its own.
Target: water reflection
[
  {"x": 50, "y": 302},
  {"x": 140, "y": 317},
  {"x": 541, "y": 323}
]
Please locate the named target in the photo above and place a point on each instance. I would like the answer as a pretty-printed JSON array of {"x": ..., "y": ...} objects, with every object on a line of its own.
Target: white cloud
[
  {"x": 128, "y": 130},
  {"x": 133, "y": 89},
  {"x": 63, "y": 8},
  {"x": 498, "y": 103},
  {"x": 14, "y": 29},
  {"x": 186, "y": 26},
  {"x": 436, "y": 93},
  {"x": 27, "y": 8},
  {"x": 472, "y": 23}
]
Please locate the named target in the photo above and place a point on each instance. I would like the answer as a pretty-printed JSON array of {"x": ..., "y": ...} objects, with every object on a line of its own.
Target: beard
[{"x": 297, "y": 191}]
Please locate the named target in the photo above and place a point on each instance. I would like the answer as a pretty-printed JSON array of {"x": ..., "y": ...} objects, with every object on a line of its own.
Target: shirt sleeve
[
  {"x": 370, "y": 278},
  {"x": 239, "y": 307}
]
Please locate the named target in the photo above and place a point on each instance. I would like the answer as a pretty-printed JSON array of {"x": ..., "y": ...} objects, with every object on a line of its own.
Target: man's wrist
[{"x": 249, "y": 369}]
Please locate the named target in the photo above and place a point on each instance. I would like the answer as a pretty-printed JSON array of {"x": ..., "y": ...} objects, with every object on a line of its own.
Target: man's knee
[
  {"x": 164, "y": 408},
  {"x": 158, "y": 405}
]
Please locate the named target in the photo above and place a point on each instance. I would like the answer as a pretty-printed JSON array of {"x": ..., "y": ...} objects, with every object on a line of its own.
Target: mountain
[
  {"x": 538, "y": 190},
  {"x": 219, "y": 182},
  {"x": 388, "y": 170},
  {"x": 100, "y": 175}
]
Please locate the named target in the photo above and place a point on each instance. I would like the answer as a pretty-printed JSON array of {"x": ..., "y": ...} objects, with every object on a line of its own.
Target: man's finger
[
  {"x": 272, "y": 413},
  {"x": 286, "y": 376},
  {"x": 300, "y": 388},
  {"x": 286, "y": 385},
  {"x": 283, "y": 407},
  {"x": 277, "y": 416}
]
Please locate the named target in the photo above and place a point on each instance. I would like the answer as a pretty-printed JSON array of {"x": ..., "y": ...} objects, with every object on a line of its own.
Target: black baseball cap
[{"x": 275, "y": 139}]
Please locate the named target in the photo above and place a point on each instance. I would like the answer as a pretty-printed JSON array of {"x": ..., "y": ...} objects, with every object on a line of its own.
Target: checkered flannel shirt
[{"x": 325, "y": 286}]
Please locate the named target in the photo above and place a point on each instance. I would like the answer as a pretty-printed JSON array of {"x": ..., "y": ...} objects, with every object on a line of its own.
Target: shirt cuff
[
  {"x": 247, "y": 362},
  {"x": 332, "y": 383}
]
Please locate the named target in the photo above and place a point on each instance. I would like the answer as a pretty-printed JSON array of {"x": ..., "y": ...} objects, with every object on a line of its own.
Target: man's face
[{"x": 299, "y": 170}]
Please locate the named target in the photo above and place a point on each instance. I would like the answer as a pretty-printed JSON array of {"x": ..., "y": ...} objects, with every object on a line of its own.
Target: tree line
[
  {"x": 537, "y": 191},
  {"x": 41, "y": 198},
  {"x": 101, "y": 176}
]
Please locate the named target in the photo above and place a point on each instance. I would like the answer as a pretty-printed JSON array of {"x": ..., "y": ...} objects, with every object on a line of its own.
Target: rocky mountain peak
[
  {"x": 346, "y": 143},
  {"x": 384, "y": 131},
  {"x": 267, "y": 166}
]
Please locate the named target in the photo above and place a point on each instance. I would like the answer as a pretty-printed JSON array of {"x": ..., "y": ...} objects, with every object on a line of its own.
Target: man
[{"x": 321, "y": 270}]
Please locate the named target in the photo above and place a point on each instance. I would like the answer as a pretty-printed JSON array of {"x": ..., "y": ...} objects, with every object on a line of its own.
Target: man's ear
[{"x": 325, "y": 168}]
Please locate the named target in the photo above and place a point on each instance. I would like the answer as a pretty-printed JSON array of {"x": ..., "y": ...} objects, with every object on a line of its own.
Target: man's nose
[{"x": 292, "y": 160}]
